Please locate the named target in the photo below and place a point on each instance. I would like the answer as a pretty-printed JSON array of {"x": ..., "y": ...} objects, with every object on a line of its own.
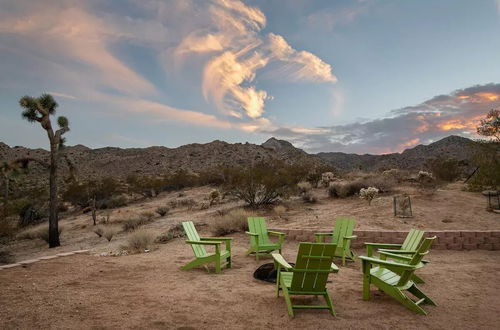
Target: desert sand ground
[{"x": 148, "y": 291}]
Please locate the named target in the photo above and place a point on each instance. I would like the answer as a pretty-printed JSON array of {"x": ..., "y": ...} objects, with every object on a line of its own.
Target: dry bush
[
  {"x": 347, "y": 189},
  {"x": 396, "y": 174},
  {"x": 213, "y": 196},
  {"x": 426, "y": 180},
  {"x": 98, "y": 230},
  {"x": 162, "y": 210},
  {"x": 383, "y": 183},
  {"x": 173, "y": 232},
  {"x": 309, "y": 197},
  {"x": 131, "y": 224},
  {"x": 304, "y": 187},
  {"x": 8, "y": 227},
  {"x": 109, "y": 231},
  {"x": 38, "y": 232},
  {"x": 279, "y": 210},
  {"x": 205, "y": 205},
  {"x": 6, "y": 256},
  {"x": 146, "y": 216},
  {"x": 233, "y": 221},
  {"x": 140, "y": 240},
  {"x": 186, "y": 202}
]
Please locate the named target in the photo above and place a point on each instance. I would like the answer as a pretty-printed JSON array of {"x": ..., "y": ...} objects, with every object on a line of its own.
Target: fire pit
[{"x": 267, "y": 273}]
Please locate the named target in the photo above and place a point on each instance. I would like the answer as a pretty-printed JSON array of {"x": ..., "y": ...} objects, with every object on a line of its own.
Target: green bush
[
  {"x": 262, "y": 184},
  {"x": 444, "y": 169},
  {"x": 487, "y": 161}
]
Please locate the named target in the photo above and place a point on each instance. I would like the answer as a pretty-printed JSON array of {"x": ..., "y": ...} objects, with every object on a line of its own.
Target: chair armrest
[
  {"x": 393, "y": 256},
  {"x": 204, "y": 243},
  {"x": 251, "y": 234},
  {"x": 276, "y": 233},
  {"x": 216, "y": 238},
  {"x": 397, "y": 251},
  {"x": 279, "y": 260},
  {"x": 381, "y": 245},
  {"x": 388, "y": 264}
]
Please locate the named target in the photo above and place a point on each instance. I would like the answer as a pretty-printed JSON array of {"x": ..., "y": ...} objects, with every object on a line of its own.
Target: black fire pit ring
[{"x": 267, "y": 273}]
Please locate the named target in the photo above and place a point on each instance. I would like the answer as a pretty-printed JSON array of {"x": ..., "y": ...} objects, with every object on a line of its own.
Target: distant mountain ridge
[
  {"x": 452, "y": 146},
  {"x": 118, "y": 163}
]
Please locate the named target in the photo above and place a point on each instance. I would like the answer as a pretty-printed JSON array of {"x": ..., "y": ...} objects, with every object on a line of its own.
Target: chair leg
[
  {"x": 330, "y": 303},
  {"x": 419, "y": 294},
  {"x": 229, "y": 262},
  {"x": 366, "y": 287},
  {"x": 343, "y": 259},
  {"x": 217, "y": 266},
  {"x": 417, "y": 279},
  {"x": 287, "y": 299}
]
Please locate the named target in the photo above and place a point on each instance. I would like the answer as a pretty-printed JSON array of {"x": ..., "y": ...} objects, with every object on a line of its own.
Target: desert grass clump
[
  {"x": 173, "y": 232},
  {"x": 234, "y": 221},
  {"x": 368, "y": 194},
  {"x": 109, "y": 231},
  {"x": 131, "y": 224},
  {"x": 37, "y": 232},
  {"x": 162, "y": 210},
  {"x": 304, "y": 187},
  {"x": 309, "y": 197},
  {"x": 98, "y": 230},
  {"x": 146, "y": 216},
  {"x": 140, "y": 240},
  {"x": 279, "y": 210}
]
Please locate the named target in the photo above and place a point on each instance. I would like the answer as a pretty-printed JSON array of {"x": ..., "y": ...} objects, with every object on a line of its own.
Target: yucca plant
[{"x": 39, "y": 109}]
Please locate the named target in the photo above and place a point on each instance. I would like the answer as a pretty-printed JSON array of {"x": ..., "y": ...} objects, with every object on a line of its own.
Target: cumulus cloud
[{"x": 456, "y": 113}]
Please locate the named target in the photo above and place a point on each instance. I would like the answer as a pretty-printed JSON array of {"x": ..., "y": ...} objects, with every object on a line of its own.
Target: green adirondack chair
[
  {"x": 395, "y": 284},
  {"x": 221, "y": 257},
  {"x": 308, "y": 277},
  {"x": 341, "y": 237},
  {"x": 408, "y": 248},
  {"x": 259, "y": 238}
]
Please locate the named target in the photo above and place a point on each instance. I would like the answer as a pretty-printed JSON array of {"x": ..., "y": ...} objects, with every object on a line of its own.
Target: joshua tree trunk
[
  {"x": 94, "y": 210},
  {"x": 53, "y": 220}
]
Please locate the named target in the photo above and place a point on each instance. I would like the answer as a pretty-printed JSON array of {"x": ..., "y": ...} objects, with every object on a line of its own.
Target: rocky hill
[
  {"x": 450, "y": 147},
  {"x": 118, "y": 163},
  {"x": 152, "y": 161}
]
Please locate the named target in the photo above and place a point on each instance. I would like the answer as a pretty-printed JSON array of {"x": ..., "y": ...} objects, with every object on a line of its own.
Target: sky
[{"x": 365, "y": 76}]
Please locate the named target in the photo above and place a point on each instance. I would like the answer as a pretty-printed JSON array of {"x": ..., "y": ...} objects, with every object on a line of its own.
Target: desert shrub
[
  {"x": 444, "y": 169},
  {"x": 131, "y": 224},
  {"x": 146, "y": 217},
  {"x": 82, "y": 194},
  {"x": 180, "y": 180},
  {"x": 8, "y": 226},
  {"x": 279, "y": 210},
  {"x": 6, "y": 256},
  {"x": 304, "y": 187},
  {"x": 185, "y": 202},
  {"x": 115, "y": 202},
  {"x": 368, "y": 194},
  {"x": 98, "y": 230},
  {"x": 426, "y": 180},
  {"x": 395, "y": 174},
  {"x": 326, "y": 179},
  {"x": 173, "y": 232},
  {"x": 109, "y": 231},
  {"x": 233, "y": 221},
  {"x": 146, "y": 186},
  {"x": 205, "y": 205},
  {"x": 162, "y": 210},
  {"x": 346, "y": 189},
  {"x": 487, "y": 162},
  {"x": 309, "y": 197},
  {"x": 213, "y": 196},
  {"x": 382, "y": 183},
  {"x": 261, "y": 184},
  {"x": 140, "y": 240},
  {"x": 32, "y": 214},
  {"x": 37, "y": 232}
]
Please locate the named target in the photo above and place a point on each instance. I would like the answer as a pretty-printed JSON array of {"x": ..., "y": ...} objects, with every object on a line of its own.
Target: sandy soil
[
  {"x": 148, "y": 291},
  {"x": 449, "y": 208}
]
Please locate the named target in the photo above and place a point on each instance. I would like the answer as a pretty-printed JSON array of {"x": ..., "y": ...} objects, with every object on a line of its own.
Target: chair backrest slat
[
  {"x": 192, "y": 235},
  {"x": 413, "y": 240},
  {"x": 416, "y": 259},
  {"x": 343, "y": 227},
  {"x": 316, "y": 258},
  {"x": 258, "y": 225}
]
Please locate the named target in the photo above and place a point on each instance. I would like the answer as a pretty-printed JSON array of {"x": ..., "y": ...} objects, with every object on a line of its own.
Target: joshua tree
[{"x": 39, "y": 110}]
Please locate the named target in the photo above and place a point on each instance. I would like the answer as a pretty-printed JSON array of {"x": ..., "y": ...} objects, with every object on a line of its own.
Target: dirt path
[{"x": 148, "y": 291}]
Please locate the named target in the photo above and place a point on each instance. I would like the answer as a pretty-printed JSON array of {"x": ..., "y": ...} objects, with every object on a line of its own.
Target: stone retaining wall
[{"x": 446, "y": 239}]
